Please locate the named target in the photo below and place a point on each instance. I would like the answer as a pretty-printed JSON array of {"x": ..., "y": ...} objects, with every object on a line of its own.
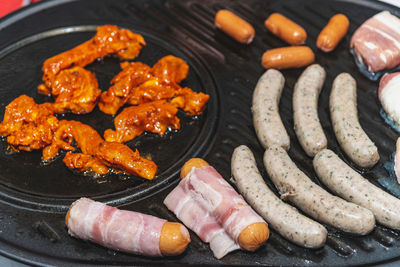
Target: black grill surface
[{"x": 34, "y": 198}]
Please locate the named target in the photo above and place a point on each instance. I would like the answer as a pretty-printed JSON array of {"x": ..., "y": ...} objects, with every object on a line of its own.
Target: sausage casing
[
  {"x": 287, "y": 57},
  {"x": 286, "y": 29},
  {"x": 295, "y": 186},
  {"x": 305, "y": 110},
  {"x": 294, "y": 226},
  {"x": 351, "y": 137},
  {"x": 267, "y": 122},
  {"x": 333, "y": 33},
  {"x": 234, "y": 26},
  {"x": 350, "y": 185}
]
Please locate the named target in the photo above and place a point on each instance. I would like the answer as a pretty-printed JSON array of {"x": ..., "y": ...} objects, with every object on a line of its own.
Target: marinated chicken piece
[
  {"x": 83, "y": 162},
  {"x": 170, "y": 69},
  {"x": 137, "y": 83},
  {"x": 27, "y": 125},
  {"x": 132, "y": 75},
  {"x": 191, "y": 102},
  {"x": 151, "y": 90},
  {"x": 108, "y": 40},
  {"x": 155, "y": 117},
  {"x": 121, "y": 157},
  {"x": 167, "y": 73},
  {"x": 75, "y": 90},
  {"x": 97, "y": 154}
]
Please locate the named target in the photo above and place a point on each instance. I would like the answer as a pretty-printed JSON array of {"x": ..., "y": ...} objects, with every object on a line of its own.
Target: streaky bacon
[
  {"x": 122, "y": 230},
  {"x": 203, "y": 193},
  {"x": 389, "y": 95},
  {"x": 397, "y": 161},
  {"x": 200, "y": 221},
  {"x": 377, "y": 42}
]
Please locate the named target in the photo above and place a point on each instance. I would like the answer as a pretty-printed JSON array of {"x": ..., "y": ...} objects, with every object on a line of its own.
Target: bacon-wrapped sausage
[
  {"x": 215, "y": 198},
  {"x": 123, "y": 230}
]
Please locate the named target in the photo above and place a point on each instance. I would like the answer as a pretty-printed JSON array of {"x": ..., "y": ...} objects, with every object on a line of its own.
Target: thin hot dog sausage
[
  {"x": 282, "y": 217},
  {"x": 333, "y": 33},
  {"x": 295, "y": 186},
  {"x": 305, "y": 110},
  {"x": 288, "y": 57},
  {"x": 234, "y": 26},
  {"x": 286, "y": 29},
  {"x": 174, "y": 239},
  {"x": 350, "y": 185},
  {"x": 124, "y": 230},
  {"x": 267, "y": 122},
  {"x": 351, "y": 137},
  {"x": 254, "y": 235}
]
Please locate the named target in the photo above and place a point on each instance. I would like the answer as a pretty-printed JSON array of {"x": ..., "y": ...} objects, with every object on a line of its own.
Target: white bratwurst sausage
[
  {"x": 305, "y": 110},
  {"x": 284, "y": 218},
  {"x": 351, "y": 137},
  {"x": 350, "y": 185},
  {"x": 295, "y": 186},
  {"x": 267, "y": 122}
]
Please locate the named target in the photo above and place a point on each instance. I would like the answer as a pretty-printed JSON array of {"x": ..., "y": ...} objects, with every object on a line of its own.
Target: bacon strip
[
  {"x": 200, "y": 221},
  {"x": 377, "y": 42},
  {"x": 397, "y": 161},
  {"x": 389, "y": 95},
  {"x": 208, "y": 205},
  {"x": 122, "y": 230}
]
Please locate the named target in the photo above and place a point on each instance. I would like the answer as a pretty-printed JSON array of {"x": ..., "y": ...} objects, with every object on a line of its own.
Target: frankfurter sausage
[
  {"x": 267, "y": 122},
  {"x": 295, "y": 186},
  {"x": 350, "y": 185},
  {"x": 305, "y": 110},
  {"x": 351, "y": 137},
  {"x": 234, "y": 26},
  {"x": 333, "y": 33},
  {"x": 288, "y": 57},
  {"x": 286, "y": 29},
  {"x": 282, "y": 217},
  {"x": 124, "y": 230},
  {"x": 253, "y": 234}
]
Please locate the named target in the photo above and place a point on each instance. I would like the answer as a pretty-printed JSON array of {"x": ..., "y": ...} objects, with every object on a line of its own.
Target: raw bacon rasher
[
  {"x": 377, "y": 42},
  {"x": 209, "y": 206}
]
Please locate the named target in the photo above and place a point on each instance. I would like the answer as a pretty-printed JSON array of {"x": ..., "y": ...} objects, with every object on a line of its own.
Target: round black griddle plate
[{"x": 34, "y": 198}]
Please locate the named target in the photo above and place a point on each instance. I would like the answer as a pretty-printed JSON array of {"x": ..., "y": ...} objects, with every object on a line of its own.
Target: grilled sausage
[
  {"x": 350, "y": 185},
  {"x": 305, "y": 110},
  {"x": 351, "y": 137},
  {"x": 234, "y": 26},
  {"x": 254, "y": 235},
  {"x": 295, "y": 186},
  {"x": 124, "y": 230},
  {"x": 286, "y": 29},
  {"x": 288, "y": 57},
  {"x": 333, "y": 33},
  {"x": 267, "y": 122},
  {"x": 282, "y": 217}
]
